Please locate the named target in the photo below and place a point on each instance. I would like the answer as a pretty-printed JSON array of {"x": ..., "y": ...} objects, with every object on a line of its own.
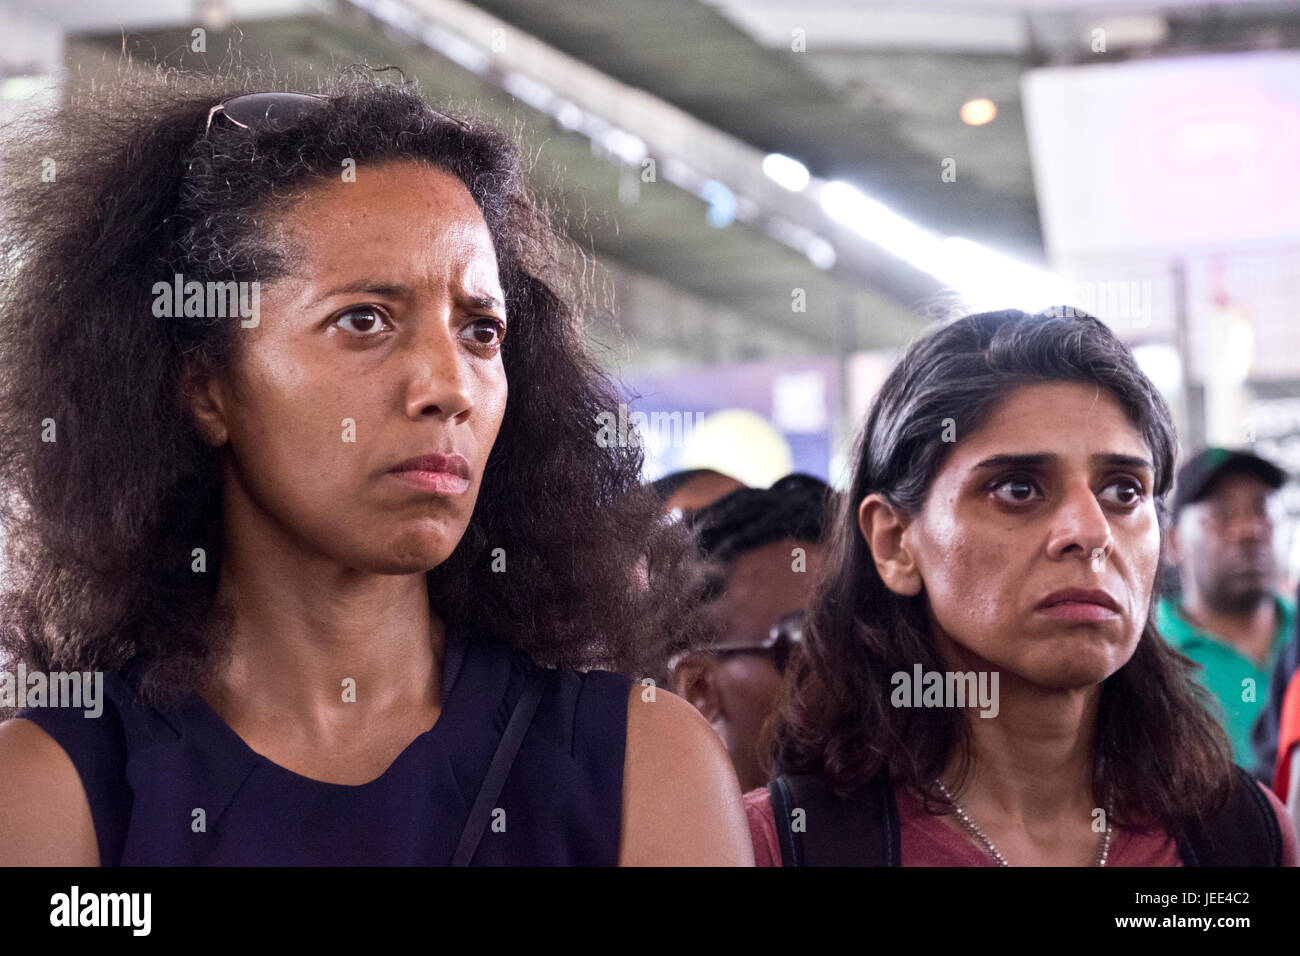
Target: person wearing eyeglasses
[
  {"x": 298, "y": 443},
  {"x": 1229, "y": 616},
  {"x": 763, "y": 544},
  {"x": 981, "y": 681}
]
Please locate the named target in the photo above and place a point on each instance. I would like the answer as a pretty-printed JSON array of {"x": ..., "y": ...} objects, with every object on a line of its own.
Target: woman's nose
[
  {"x": 439, "y": 379},
  {"x": 1081, "y": 523}
]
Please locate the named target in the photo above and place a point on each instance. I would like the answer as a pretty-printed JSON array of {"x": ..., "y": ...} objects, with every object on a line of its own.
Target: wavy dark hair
[
  {"x": 1160, "y": 757},
  {"x": 99, "y": 523}
]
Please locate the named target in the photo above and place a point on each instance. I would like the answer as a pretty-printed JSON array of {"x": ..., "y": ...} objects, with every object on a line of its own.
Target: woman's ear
[
  {"x": 693, "y": 680},
  {"x": 202, "y": 394},
  {"x": 883, "y": 528}
]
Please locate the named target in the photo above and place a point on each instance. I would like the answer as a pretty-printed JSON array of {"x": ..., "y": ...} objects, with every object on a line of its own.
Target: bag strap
[
  {"x": 511, "y": 740},
  {"x": 817, "y": 828},
  {"x": 1244, "y": 833},
  {"x": 778, "y": 791}
]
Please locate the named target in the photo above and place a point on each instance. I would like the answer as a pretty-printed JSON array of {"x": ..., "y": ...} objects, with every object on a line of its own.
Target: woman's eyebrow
[
  {"x": 1043, "y": 458},
  {"x": 398, "y": 290},
  {"x": 1122, "y": 461},
  {"x": 382, "y": 287},
  {"x": 483, "y": 301},
  {"x": 1030, "y": 460}
]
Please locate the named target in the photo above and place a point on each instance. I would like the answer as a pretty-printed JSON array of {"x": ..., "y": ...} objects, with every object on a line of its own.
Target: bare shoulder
[
  {"x": 45, "y": 818},
  {"x": 681, "y": 800}
]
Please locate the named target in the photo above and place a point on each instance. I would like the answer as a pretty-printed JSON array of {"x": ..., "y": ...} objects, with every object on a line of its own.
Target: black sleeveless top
[{"x": 147, "y": 773}]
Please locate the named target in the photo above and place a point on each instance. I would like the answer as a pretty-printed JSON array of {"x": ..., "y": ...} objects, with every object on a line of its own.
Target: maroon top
[{"x": 928, "y": 841}]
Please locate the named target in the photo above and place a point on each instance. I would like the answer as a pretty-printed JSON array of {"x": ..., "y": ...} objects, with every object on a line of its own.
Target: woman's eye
[
  {"x": 487, "y": 332},
  {"x": 1015, "y": 490},
  {"x": 1127, "y": 492},
  {"x": 365, "y": 320}
]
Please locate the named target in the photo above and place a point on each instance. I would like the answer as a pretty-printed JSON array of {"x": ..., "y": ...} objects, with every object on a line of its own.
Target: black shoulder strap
[
  {"x": 513, "y": 737},
  {"x": 1244, "y": 833},
  {"x": 817, "y": 828}
]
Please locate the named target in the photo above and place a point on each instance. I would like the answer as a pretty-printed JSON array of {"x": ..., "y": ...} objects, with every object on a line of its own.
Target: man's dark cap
[{"x": 1202, "y": 470}]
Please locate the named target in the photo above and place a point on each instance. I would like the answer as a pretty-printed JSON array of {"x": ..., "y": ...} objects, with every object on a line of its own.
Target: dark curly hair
[
  {"x": 1160, "y": 756},
  {"x": 99, "y": 524}
]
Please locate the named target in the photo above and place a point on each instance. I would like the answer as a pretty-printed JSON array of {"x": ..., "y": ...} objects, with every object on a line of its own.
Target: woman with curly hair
[
  {"x": 298, "y": 448},
  {"x": 981, "y": 681}
]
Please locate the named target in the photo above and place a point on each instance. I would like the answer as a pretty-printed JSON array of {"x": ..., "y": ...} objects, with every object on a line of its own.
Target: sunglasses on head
[{"x": 261, "y": 112}]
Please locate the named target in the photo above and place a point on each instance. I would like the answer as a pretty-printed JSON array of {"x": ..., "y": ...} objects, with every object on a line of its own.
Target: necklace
[{"x": 1102, "y": 852}]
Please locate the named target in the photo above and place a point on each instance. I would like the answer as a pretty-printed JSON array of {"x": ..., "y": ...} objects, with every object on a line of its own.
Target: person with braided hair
[{"x": 762, "y": 544}]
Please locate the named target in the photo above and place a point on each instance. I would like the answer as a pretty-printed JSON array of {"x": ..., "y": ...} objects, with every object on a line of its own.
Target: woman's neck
[
  {"x": 1029, "y": 788},
  {"x": 1032, "y": 763},
  {"x": 310, "y": 634}
]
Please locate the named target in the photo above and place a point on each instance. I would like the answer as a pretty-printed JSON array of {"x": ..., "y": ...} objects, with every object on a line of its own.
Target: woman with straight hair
[
  {"x": 298, "y": 446},
  {"x": 981, "y": 681}
]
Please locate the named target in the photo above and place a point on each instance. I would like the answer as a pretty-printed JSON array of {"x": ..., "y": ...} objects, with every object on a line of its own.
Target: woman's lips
[
  {"x": 433, "y": 482},
  {"x": 1079, "y": 604},
  {"x": 1078, "y": 611},
  {"x": 434, "y": 473}
]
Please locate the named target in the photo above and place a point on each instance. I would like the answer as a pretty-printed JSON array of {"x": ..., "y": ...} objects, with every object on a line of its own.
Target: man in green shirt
[{"x": 1230, "y": 618}]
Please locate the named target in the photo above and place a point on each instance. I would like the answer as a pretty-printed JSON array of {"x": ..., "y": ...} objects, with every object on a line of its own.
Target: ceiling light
[
  {"x": 978, "y": 112},
  {"x": 786, "y": 172}
]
